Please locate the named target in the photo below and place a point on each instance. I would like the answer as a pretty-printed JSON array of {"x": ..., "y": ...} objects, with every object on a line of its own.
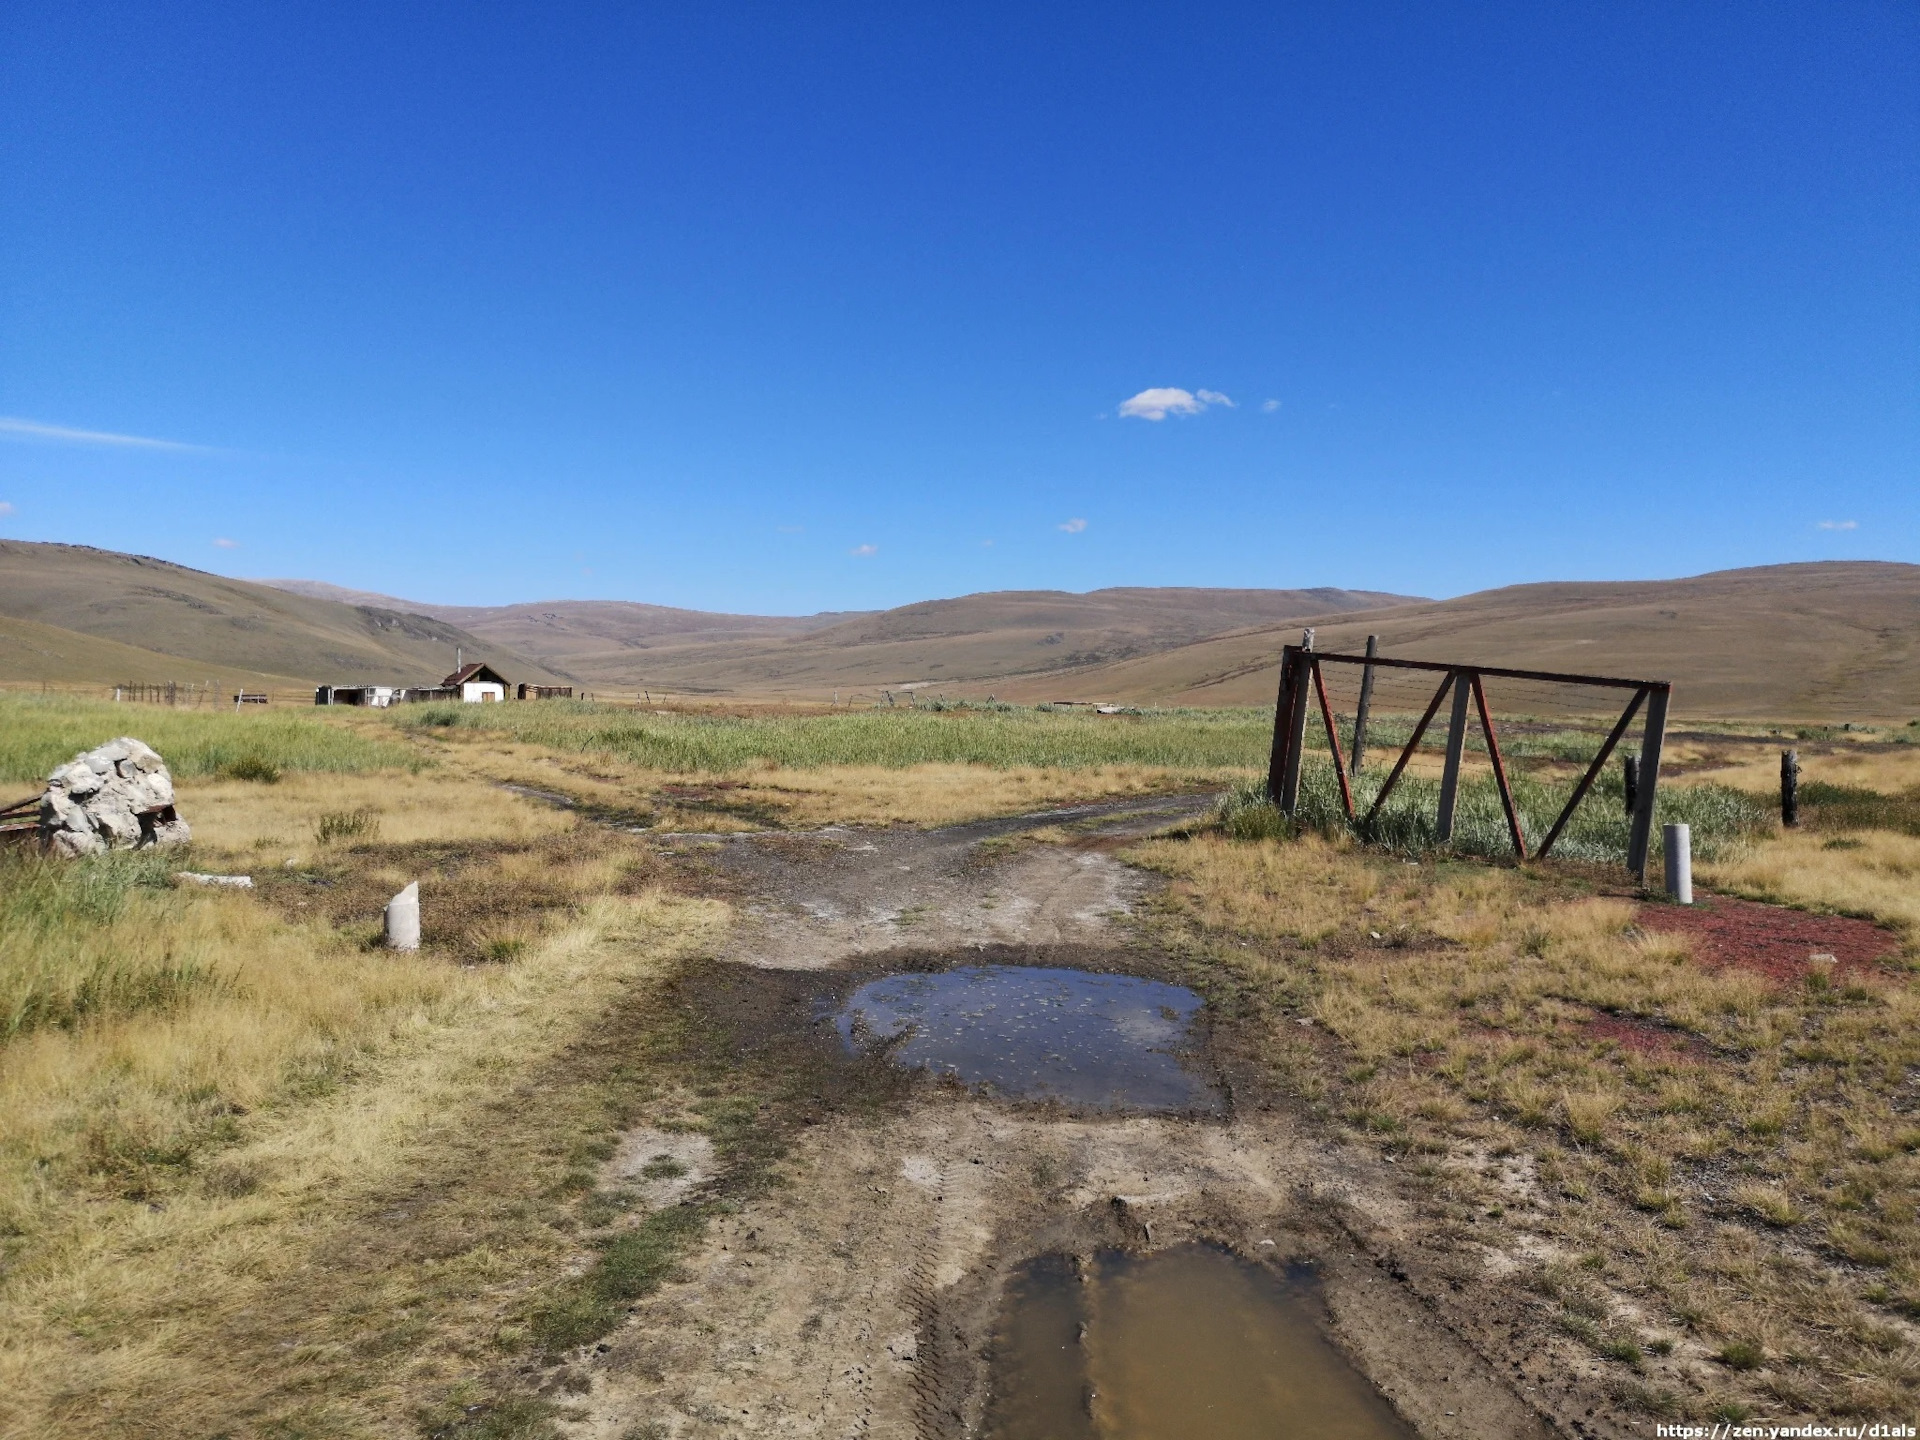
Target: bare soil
[
  {"x": 1772, "y": 940},
  {"x": 857, "y": 1294}
]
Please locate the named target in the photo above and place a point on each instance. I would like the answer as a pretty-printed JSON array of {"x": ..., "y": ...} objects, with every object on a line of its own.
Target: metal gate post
[
  {"x": 1296, "y": 731},
  {"x": 1638, "y": 841},
  {"x": 1288, "y": 732},
  {"x": 1365, "y": 706},
  {"x": 1456, "y": 742}
]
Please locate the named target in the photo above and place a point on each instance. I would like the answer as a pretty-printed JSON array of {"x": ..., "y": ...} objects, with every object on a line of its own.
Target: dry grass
[
  {"x": 214, "y": 1195},
  {"x": 270, "y": 824},
  {"x": 1741, "y": 1161},
  {"x": 191, "y": 1197},
  {"x": 1870, "y": 873},
  {"x": 1890, "y": 769},
  {"x": 783, "y": 797}
]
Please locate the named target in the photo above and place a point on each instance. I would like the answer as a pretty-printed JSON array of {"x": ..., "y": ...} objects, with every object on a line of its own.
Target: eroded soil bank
[{"x": 861, "y": 1295}]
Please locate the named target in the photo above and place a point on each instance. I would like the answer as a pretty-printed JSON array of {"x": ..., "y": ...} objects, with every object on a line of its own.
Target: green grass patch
[
  {"x": 39, "y": 732},
  {"x": 631, "y": 1265},
  {"x": 1720, "y": 817},
  {"x": 1000, "y": 737}
]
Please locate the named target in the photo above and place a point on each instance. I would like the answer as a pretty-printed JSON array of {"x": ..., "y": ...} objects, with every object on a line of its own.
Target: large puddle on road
[
  {"x": 1033, "y": 1033},
  {"x": 1191, "y": 1342}
]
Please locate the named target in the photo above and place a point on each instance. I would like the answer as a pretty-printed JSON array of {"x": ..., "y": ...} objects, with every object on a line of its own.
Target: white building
[{"x": 477, "y": 684}]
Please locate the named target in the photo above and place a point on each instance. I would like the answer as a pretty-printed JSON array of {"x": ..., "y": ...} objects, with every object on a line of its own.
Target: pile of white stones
[{"x": 119, "y": 796}]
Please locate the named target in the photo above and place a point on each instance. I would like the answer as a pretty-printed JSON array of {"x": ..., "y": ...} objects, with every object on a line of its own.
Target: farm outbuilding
[
  {"x": 476, "y": 684},
  {"x": 545, "y": 692}
]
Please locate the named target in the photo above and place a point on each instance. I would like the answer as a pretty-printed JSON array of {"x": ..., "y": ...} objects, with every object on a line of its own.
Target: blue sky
[{"x": 787, "y": 308}]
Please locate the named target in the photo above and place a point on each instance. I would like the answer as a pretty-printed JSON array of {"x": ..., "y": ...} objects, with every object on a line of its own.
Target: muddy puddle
[
  {"x": 1037, "y": 1033},
  {"x": 1192, "y": 1342}
]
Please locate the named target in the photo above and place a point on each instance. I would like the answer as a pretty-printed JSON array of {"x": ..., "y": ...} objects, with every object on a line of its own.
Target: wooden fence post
[
  {"x": 1640, "y": 839},
  {"x": 1790, "y": 787},
  {"x": 1456, "y": 743},
  {"x": 1365, "y": 707}
]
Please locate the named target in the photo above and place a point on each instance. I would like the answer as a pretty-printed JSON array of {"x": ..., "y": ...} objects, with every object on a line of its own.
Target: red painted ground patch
[{"x": 1770, "y": 939}]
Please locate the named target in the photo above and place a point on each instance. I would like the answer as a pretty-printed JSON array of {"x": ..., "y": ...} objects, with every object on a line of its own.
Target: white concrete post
[
  {"x": 403, "y": 919},
  {"x": 1677, "y": 841}
]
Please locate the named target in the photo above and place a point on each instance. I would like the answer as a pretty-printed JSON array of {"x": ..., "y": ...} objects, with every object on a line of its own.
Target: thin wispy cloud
[
  {"x": 225, "y": 544},
  {"x": 1164, "y": 400},
  {"x": 1074, "y": 526},
  {"x": 1267, "y": 407},
  {"x": 19, "y": 429},
  {"x": 6, "y": 509},
  {"x": 1839, "y": 524},
  {"x": 864, "y": 550}
]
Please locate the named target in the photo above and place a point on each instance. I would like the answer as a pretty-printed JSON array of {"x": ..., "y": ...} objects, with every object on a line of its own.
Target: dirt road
[{"x": 859, "y": 1298}]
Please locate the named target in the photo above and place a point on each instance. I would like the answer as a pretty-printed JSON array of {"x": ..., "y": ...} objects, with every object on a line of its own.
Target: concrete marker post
[
  {"x": 1677, "y": 842},
  {"x": 403, "y": 919}
]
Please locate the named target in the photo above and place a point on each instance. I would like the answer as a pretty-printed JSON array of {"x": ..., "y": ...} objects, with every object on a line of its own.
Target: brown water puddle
[
  {"x": 1191, "y": 1342},
  {"x": 1040, "y": 1033}
]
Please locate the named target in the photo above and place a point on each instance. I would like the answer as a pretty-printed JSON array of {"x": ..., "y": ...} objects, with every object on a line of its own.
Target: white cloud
[
  {"x": 225, "y": 544},
  {"x": 1839, "y": 524},
  {"x": 61, "y": 435},
  {"x": 1158, "y": 403},
  {"x": 6, "y": 508},
  {"x": 864, "y": 550},
  {"x": 1267, "y": 407},
  {"x": 1074, "y": 526}
]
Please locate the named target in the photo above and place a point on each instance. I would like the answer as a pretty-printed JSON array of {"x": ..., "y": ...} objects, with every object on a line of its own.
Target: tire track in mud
[{"x": 880, "y": 1259}]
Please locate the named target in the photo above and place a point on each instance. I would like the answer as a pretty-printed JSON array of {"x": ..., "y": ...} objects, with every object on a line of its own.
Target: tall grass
[
  {"x": 1198, "y": 739},
  {"x": 67, "y": 951},
  {"x": 38, "y": 732},
  {"x": 1721, "y": 818}
]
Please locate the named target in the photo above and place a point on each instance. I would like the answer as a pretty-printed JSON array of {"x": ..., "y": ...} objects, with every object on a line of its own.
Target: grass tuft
[{"x": 632, "y": 1265}]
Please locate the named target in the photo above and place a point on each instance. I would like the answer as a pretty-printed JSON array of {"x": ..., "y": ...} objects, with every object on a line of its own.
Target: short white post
[
  {"x": 1677, "y": 841},
  {"x": 403, "y": 919}
]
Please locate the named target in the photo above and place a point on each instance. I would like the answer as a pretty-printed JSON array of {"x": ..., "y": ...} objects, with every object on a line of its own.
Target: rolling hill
[
  {"x": 1833, "y": 640},
  {"x": 1816, "y": 641},
  {"x": 968, "y": 641},
  {"x": 199, "y": 620}
]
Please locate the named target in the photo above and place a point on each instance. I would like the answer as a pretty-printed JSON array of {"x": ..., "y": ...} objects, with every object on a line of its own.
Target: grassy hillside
[
  {"x": 1838, "y": 640},
  {"x": 207, "y": 619},
  {"x": 32, "y": 653}
]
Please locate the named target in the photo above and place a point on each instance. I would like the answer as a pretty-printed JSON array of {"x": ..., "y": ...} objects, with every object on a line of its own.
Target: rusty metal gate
[{"x": 1302, "y": 673}]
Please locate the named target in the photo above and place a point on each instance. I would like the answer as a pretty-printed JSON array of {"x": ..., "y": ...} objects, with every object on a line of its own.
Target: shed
[{"x": 477, "y": 683}]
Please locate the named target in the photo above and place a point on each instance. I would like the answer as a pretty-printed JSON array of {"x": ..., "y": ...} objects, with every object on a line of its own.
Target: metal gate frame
[{"x": 1300, "y": 670}]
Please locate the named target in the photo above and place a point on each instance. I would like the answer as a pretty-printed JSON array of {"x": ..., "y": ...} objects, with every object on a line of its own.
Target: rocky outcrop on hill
[{"x": 116, "y": 797}]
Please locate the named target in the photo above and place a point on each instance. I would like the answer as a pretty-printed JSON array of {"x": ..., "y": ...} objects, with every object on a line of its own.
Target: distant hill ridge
[
  {"x": 966, "y": 639},
  {"x": 1829, "y": 639}
]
